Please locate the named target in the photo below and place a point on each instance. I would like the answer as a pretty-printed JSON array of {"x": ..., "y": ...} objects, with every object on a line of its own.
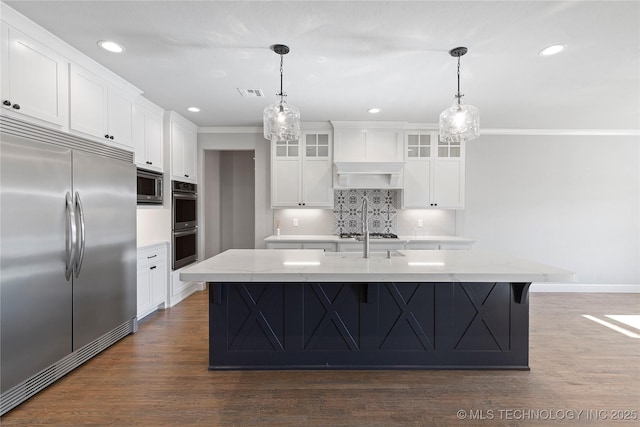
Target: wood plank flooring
[{"x": 159, "y": 377}]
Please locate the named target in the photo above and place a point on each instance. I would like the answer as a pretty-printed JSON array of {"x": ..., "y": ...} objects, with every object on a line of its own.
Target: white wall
[
  {"x": 154, "y": 222},
  {"x": 567, "y": 201}
]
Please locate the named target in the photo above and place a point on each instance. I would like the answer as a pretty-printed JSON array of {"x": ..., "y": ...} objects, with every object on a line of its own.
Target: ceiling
[{"x": 349, "y": 56}]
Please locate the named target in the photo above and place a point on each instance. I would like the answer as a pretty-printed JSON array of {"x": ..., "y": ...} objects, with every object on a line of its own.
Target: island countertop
[{"x": 264, "y": 265}]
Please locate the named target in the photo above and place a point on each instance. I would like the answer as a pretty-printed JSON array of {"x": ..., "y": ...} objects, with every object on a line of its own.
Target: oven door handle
[
  {"x": 185, "y": 196},
  {"x": 185, "y": 233}
]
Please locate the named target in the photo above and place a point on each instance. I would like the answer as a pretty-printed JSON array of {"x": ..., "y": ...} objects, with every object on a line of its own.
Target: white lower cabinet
[
  {"x": 326, "y": 246},
  {"x": 152, "y": 279},
  {"x": 438, "y": 245},
  {"x": 418, "y": 246},
  {"x": 374, "y": 246}
]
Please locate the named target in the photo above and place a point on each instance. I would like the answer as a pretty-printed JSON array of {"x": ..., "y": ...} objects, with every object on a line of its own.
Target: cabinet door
[
  {"x": 177, "y": 151},
  {"x": 139, "y": 137},
  {"x": 143, "y": 290},
  {"x": 190, "y": 154},
  {"x": 285, "y": 182},
  {"x": 317, "y": 175},
  {"x": 416, "y": 191},
  {"x": 88, "y": 103},
  {"x": 120, "y": 117},
  {"x": 417, "y": 184},
  {"x": 448, "y": 175},
  {"x": 34, "y": 78},
  {"x": 153, "y": 141},
  {"x": 158, "y": 283},
  {"x": 147, "y": 139},
  {"x": 448, "y": 190}
]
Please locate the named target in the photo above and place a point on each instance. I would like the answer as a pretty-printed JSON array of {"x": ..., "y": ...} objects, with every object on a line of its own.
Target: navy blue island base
[{"x": 390, "y": 325}]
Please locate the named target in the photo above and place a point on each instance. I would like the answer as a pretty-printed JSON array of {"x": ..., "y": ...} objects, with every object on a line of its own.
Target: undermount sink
[{"x": 372, "y": 254}]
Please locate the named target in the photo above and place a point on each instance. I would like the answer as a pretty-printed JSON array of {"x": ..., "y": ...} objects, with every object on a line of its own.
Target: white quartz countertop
[
  {"x": 295, "y": 238},
  {"x": 292, "y": 265}
]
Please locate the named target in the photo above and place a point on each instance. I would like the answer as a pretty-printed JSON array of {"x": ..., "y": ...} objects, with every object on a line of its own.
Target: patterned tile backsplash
[{"x": 382, "y": 211}]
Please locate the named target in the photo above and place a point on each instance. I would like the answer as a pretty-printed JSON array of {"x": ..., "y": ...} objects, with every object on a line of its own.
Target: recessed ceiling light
[
  {"x": 111, "y": 46},
  {"x": 193, "y": 109},
  {"x": 551, "y": 50},
  {"x": 374, "y": 110}
]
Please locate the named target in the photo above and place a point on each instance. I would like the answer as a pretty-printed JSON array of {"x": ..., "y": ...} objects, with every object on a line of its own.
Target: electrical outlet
[
  {"x": 295, "y": 222},
  {"x": 420, "y": 223}
]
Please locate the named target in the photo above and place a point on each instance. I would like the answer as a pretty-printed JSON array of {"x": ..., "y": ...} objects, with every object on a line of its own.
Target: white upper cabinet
[
  {"x": 183, "y": 140},
  {"x": 368, "y": 141},
  {"x": 99, "y": 109},
  {"x": 301, "y": 172},
  {"x": 147, "y": 135},
  {"x": 434, "y": 173},
  {"x": 34, "y": 79}
]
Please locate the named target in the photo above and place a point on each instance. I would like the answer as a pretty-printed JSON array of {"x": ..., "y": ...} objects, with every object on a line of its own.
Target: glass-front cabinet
[
  {"x": 301, "y": 172},
  {"x": 433, "y": 173}
]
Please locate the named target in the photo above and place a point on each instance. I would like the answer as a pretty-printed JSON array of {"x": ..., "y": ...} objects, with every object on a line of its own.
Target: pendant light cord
[
  {"x": 459, "y": 95},
  {"x": 282, "y": 72}
]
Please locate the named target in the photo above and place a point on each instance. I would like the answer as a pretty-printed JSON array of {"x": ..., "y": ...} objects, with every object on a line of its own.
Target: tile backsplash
[{"x": 382, "y": 211}]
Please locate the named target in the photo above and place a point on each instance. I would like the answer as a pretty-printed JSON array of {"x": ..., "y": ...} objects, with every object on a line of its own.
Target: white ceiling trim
[
  {"x": 562, "y": 132},
  {"x": 432, "y": 127}
]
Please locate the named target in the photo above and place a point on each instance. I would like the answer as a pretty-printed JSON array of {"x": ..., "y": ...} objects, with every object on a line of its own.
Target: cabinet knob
[
  {"x": 16, "y": 106},
  {"x": 186, "y": 176},
  {"x": 111, "y": 137},
  {"x": 6, "y": 102},
  {"x": 106, "y": 136},
  {"x": 149, "y": 163},
  {"x": 152, "y": 268}
]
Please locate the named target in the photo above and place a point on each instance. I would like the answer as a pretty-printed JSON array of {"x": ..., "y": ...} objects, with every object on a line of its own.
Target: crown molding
[
  {"x": 434, "y": 127},
  {"x": 230, "y": 129},
  {"x": 562, "y": 132}
]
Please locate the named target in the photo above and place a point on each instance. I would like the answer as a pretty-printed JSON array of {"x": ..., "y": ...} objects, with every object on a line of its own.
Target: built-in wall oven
[{"x": 185, "y": 223}]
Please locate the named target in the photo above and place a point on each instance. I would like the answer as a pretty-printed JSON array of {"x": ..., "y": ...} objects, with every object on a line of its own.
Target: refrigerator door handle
[
  {"x": 70, "y": 238},
  {"x": 81, "y": 239}
]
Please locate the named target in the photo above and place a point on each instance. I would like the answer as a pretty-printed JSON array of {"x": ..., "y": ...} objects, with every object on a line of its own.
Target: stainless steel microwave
[{"x": 149, "y": 187}]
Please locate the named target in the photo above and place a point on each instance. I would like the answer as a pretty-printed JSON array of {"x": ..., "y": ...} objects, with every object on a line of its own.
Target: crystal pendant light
[
  {"x": 281, "y": 121},
  {"x": 459, "y": 122}
]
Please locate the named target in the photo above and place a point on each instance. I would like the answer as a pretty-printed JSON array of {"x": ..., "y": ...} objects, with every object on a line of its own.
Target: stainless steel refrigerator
[{"x": 67, "y": 254}]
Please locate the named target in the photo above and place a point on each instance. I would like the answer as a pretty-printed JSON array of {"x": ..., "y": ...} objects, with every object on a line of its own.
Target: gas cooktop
[{"x": 371, "y": 235}]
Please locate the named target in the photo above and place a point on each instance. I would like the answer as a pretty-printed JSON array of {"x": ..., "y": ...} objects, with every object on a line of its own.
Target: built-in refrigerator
[{"x": 67, "y": 254}]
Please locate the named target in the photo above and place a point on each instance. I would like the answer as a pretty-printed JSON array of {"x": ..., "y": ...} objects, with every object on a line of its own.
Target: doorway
[{"x": 229, "y": 202}]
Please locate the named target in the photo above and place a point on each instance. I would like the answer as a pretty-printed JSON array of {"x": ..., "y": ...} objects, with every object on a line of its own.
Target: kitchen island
[{"x": 292, "y": 309}]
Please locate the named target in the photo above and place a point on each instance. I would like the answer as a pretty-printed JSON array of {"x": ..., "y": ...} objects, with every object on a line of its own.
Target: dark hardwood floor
[{"x": 159, "y": 377}]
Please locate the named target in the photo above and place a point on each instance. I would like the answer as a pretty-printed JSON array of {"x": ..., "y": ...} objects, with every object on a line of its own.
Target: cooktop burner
[{"x": 371, "y": 235}]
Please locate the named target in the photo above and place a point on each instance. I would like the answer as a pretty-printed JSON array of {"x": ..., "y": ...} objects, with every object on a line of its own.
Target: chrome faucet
[{"x": 365, "y": 227}]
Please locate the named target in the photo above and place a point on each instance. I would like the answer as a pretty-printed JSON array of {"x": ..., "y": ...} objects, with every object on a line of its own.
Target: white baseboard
[{"x": 587, "y": 288}]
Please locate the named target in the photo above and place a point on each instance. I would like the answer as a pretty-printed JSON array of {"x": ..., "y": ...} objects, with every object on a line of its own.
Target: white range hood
[
  {"x": 368, "y": 155},
  {"x": 368, "y": 174}
]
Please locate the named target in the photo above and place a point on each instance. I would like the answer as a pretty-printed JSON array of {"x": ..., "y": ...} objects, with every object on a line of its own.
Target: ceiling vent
[{"x": 251, "y": 93}]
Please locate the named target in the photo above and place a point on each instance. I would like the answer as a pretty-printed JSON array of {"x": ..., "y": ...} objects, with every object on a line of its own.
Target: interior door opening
[{"x": 229, "y": 200}]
